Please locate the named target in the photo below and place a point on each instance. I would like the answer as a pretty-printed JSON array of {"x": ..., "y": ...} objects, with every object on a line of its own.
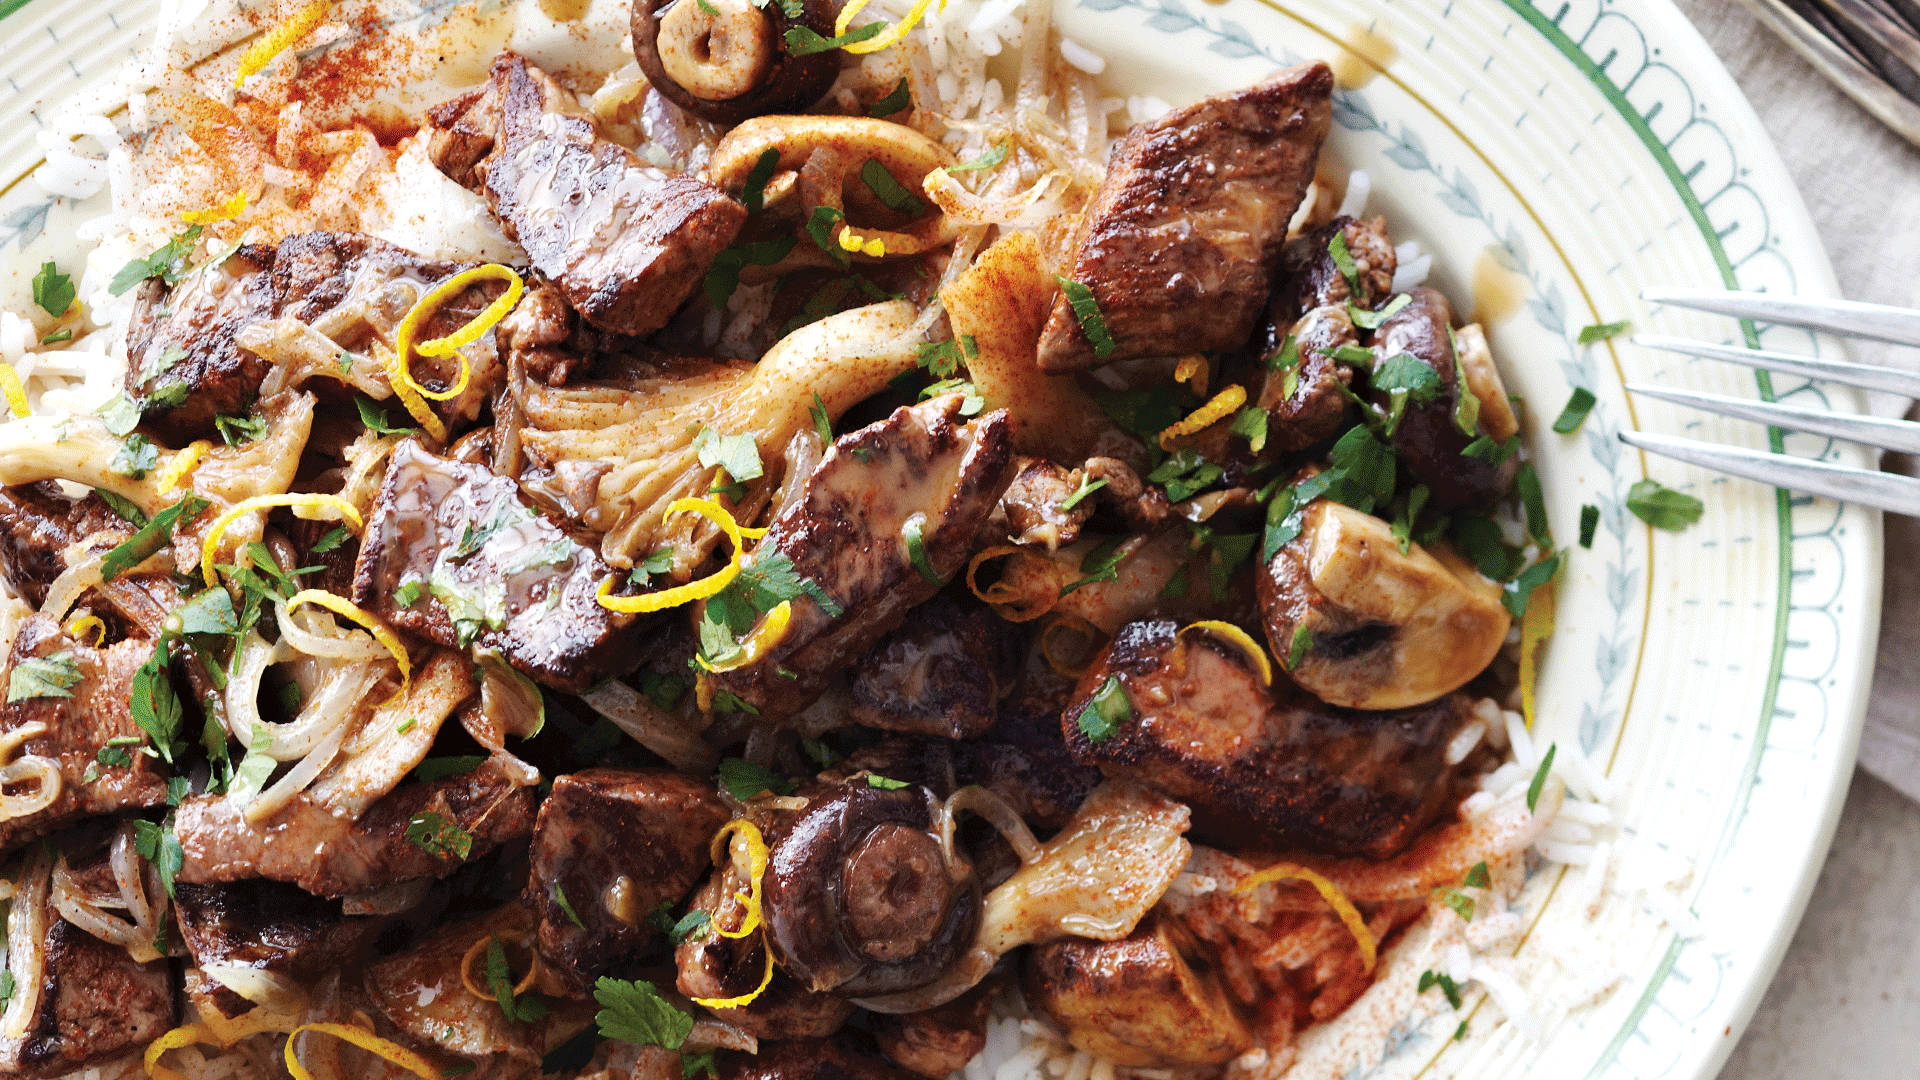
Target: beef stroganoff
[{"x": 764, "y": 539}]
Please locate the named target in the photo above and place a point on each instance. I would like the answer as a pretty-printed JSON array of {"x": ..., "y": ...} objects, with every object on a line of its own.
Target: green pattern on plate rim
[{"x": 1803, "y": 572}]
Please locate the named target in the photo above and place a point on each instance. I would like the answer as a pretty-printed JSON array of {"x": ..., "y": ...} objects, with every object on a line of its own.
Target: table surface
[{"x": 1846, "y": 1002}]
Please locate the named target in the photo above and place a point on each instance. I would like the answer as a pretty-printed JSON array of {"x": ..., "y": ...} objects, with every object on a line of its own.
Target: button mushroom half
[
  {"x": 724, "y": 61},
  {"x": 1384, "y": 628}
]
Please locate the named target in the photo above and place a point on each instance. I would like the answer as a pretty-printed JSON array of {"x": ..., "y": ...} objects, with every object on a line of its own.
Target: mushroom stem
[{"x": 717, "y": 50}]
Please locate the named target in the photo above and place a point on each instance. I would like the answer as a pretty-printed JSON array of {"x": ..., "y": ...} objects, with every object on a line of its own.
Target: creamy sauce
[
  {"x": 1497, "y": 291},
  {"x": 1364, "y": 54}
]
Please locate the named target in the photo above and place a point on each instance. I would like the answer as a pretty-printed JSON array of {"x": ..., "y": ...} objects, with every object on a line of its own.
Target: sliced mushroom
[
  {"x": 723, "y": 60},
  {"x": 1151, "y": 999},
  {"x": 1384, "y": 628},
  {"x": 1432, "y": 435},
  {"x": 863, "y": 894},
  {"x": 1483, "y": 378}
]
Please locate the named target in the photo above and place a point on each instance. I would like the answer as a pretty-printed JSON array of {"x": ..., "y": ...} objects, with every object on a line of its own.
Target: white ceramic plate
[{"x": 1556, "y": 158}]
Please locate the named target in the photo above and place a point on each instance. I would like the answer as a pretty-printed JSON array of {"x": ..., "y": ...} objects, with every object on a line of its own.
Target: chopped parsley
[
  {"x": 943, "y": 358},
  {"x": 374, "y": 419},
  {"x": 439, "y": 837},
  {"x": 210, "y": 611},
  {"x": 1574, "y": 413},
  {"x": 53, "y": 290},
  {"x": 157, "y": 844},
  {"x": 52, "y": 676},
  {"x": 1185, "y": 474},
  {"x": 1527, "y": 483},
  {"x": 1298, "y": 647},
  {"x": 1483, "y": 448},
  {"x": 1589, "y": 521},
  {"x": 804, "y": 42},
  {"x": 994, "y": 155},
  {"x": 500, "y": 981},
  {"x": 1480, "y": 539},
  {"x": 409, "y": 591},
  {"x": 884, "y": 783},
  {"x": 1466, "y": 404},
  {"x": 738, "y": 454},
  {"x": 58, "y": 336},
  {"x": 1087, "y": 309},
  {"x": 744, "y": 780},
  {"x": 330, "y": 541},
  {"x": 632, "y": 1011},
  {"x": 971, "y": 404},
  {"x": 820, "y": 225},
  {"x": 1368, "y": 319},
  {"x": 1086, "y": 488},
  {"x": 560, "y": 898},
  {"x": 1603, "y": 331},
  {"x": 135, "y": 458},
  {"x": 1250, "y": 424},
  {"x": 822, "y": 423},
  {"x": 119, "y": 414},
  {"x": 755, "y": 193},
  {"x": 1540, "y": 777},
  {"x": 1105, "y": 711},
  {"x": 1407, "y": 513},
  {"x": 1519, "y": 591},
  {"x": 912, "y": 535},
  {"x": 439, "y": 768},
  {"x": 152, "y": 702},
  {"x": 1431, "y": 979},
  {"x": 1102, "y": 563},
  {"x": 235, "y": 430},
  {"x": 1662, "y": 507},
  {"x": 888, "y": 189},
  {"x": 1343, "y": 262},
  {"x": 822, "y": 754},
  {"x": 897, "y": 99},
  {"x": 724, "y": 276},
  {"x": 168, "y": 263}
]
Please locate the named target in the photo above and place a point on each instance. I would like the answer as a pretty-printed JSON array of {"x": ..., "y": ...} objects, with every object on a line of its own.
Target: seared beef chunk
[
  {"x": 183, "y": 366},
  {"x": 192, "y": 350},
  {"x": 844, "y": 1057},
  {"x": 939, "y": 1041},
  {"x": 1141, "y": 505},
  {"x": 95, "y": 1003},
  {"x": 37, "y": 523},
  {"x": 1303, "y": 388},
  {"x": 609, "y": 848},
  {"x": 861, "y": 898},
  {"x": 1261, "y": 768},
  {"x": 1430, "y": 440},
  {"x": 270, "y": 927},
  {"x": 1311, "y": 278},
  {"x": 75, "y": 728},
  {"x": 1035, "y": 504},
  {"x": 455, "y": 554},
  {"x": 626, "y": 242},
  {"x": 1180, "y": 243},
  {"x": 1022, "y": 760},
  {"x": 943, "y": 673},
  {"x": 547, "y": 338},
  {"x": 453, "y": 820},
  {"x": 922, "y": 472}
]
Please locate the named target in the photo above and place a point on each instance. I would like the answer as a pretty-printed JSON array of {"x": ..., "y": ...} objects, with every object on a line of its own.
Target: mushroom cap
[
  {"x": 787, "y": 83},
  {"x": 1390, "y": 629},
  {"x": 1429, "y": 440},
  {"x": 862, "y": 897}
]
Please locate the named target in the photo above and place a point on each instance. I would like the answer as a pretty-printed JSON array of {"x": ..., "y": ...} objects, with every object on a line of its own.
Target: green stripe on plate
[
  {"x": 8, "y": 7},
  {"x": 1681, "y": 186}
]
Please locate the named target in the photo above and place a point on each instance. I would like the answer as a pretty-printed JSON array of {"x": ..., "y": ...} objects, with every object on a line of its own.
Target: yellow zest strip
[
  {"x": 365, "y": 1040},
  {"x": 1193, "y": 368},
  {"x": 1336, "y": 899},
  {"x": 743, "y": 1000},
  {"x": 1001, "y": 596},
  {"x": 451, "y": 344},
  {"x": 755, "y": 534},
  {"x": 262, "y": 52},
  {"x": 771, "y": 631},
  {"x": 692, "y": 590},
  {"x": 703, "y": 691},
  {"x": 886, "y": 38},
  {"x": 347, "y": 609},
  {"x": 1535, "y": 628},
  {"x": 851, "y": 241},
  {"x": 225, "y": 211},
  {"x": 1228, "y": 632},
  {"x": 228, "y": 1033},
  {"x": 416, "y": 405},
  {"x": 210, "y": 547},
  {"x": 1222, "y": 406},
  {"x": 78, "y": 626},
  {"x": 16, "y": 394},
  {"x": 181, "y": 464},
  {"x": 466, "y": 977},
  {"x": 757, "y": 871}
]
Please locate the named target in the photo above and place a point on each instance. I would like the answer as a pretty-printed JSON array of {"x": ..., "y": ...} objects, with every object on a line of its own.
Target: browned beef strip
[
  {"x": 942, "y": 673},
  {"x": 626, "y": 242},
  {"x": 923, "y": 464},
  {"x": 306, "y": 846},
  {"x": 1022, "y": 759},
  {"x": 271, "y": 927},
  {"x": 95, "y": 1003},
  {"x": 78, "y": 728},
  {"x": 492, "y": 571},
  {"x": 1310, "y": 277},
  {"x": 1305, "y": 399},
  {"x": 616, "y": 844},
  {"x": 37, "y": 523},
  {"x": 1265, "y": 769},
  {"x": 940, "y": 1041},
  {"x": 1179, "y": 245},
  {"x": 185, "y": 365},
  {"x": 1429, "y": 440}
]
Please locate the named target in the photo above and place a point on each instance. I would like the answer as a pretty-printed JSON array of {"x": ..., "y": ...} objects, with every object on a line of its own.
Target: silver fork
[
  {"x": 1866, "y": 487},
  {"x": 1869, "y": 48}
]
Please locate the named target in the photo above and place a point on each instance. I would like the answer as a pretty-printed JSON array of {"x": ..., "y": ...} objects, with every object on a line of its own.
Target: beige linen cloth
[{"x": 1861, "y": 182}]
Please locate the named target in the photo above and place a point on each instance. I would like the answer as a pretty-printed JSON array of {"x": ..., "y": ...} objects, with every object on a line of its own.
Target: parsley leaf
[
  {"x": 152, "y": 702},
  {"x": 374, "y": 419},
  {"x": 1429, "y": 980},
  {"x": 804, "y": 42},
  {"x": 1185, "y": 474},
  {"x": 1367, "y": 319},
  {"x": 1519, "y": 591},
  {"x": 1603, "y": 331},
  {"x": 743, "y": 779},
  {"x": 1343, "y": 262},
  {"x": 897, "y": 99},
  {"x": 1297, "y": 648},
  {"x": 439, "y": 768},
  {"x": 168, "y": 263},
  {"x": 912, "y": 535},
  {"x": 632, "y": 1011},
  {"x": 235, "y": 430},
  {"x": 738, "y": 454},
  {"x": 889, "y": 190},
  {"x": 1102, "y": 563},
  {"x": 1105, "y": 711},
  {"x": 1662, "y": 507},
  {"x": 209, "y": 612},
  {"x": 500, "y": 981},
  {"x": 724, "y": 276},
  {"x": 822, "y": 423},
  {"x": 119, "y": 414},
  {"x": 1527, "y": 483},
  {"x": 136, "y": 456},
  {"x": 330, "y": 541},
  {"x": 1574, "y": 413},
  {"x": 157, "y": 844},
  {"x": 942, "y": 358},
  {"x": 994, "y": 155},
  {"x": 1408, "y": 375},
  {"x": 52, "y": 676},
  {"x": 53, "y": 290},
  {"x": 560, "y": 897},
  {"x": 755, "y": 193},
  {"x": 1250, "y": 424},
  {"x": 1087, "y": 309}
]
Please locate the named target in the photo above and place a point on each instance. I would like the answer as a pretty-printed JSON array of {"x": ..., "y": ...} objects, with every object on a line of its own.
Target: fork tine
[
  {"x": 1887, "y": 434},
  {"x": 1863, "y": 487},
  {"x": 1866, "y": 376},
  {"x": 1848, "y": 318}
]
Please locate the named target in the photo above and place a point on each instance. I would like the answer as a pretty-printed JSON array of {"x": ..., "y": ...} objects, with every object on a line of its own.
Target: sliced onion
[
  {"x": 998, "y": 813},
  {"x": 30, "y": 767},
  {"x": 303, "y": 773},
  {"x": 27, "y": 944},
  {"x": 324, "y": 636},
  {"x": 243, "y": 686},
  {"x": 670, "y": 736},
  {"x": 258, "y": 985},
  {"x": 82, "y": 573},
  {"x": 127, "y": 873}
]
